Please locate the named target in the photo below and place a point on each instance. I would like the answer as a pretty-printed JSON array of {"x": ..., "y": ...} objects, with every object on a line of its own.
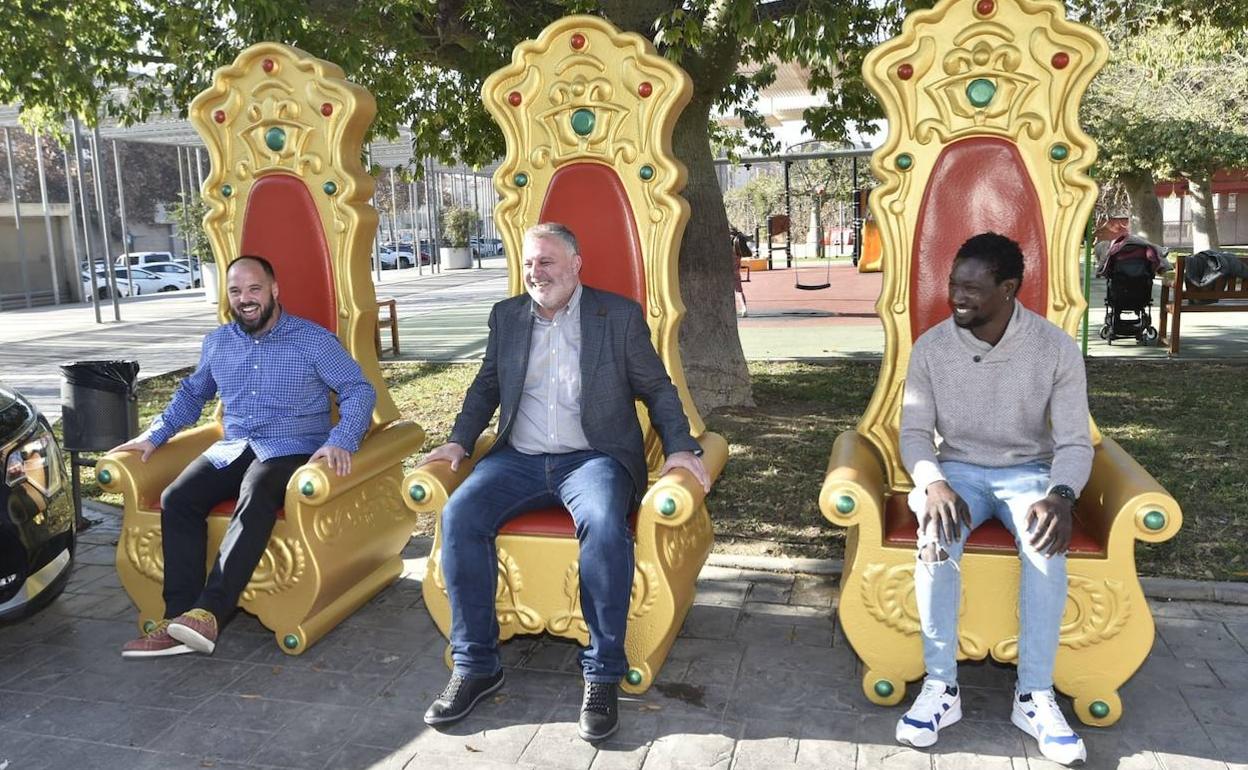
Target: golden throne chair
[
  {"x": 587, "y": 113},
  {"x": 982, "y": 104},
  {"x": 284, "y": 132}
]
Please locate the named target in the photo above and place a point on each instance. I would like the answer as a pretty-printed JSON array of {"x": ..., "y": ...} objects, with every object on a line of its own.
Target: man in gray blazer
[{"x": 563, "y": 365}]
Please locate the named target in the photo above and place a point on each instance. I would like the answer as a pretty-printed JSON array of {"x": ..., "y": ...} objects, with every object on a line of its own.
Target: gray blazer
[{"x": 618, "y": 364}]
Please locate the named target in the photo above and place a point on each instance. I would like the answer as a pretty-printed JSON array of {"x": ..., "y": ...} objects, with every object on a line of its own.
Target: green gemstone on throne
[
  {"x": 646, "y": 173},
  {"x": 417, "y": 492},
  {"x": 980, "y": 92},
  {"x": 667, "y": 507},
  {"x": 1155, "y": 520},
  {"x": 1099, "y": 709},
  {"x": 1059, "y": 151},
  {"x": 307, "y": 489},
  {"x": 583, "y": 122},
  {"x": 330, "y": 188},
  {"x": 883, "y": 688},
  {"x": 106, "y": 476},
  {"x": 275, "y": 138},
  {"x": 634, "y": 677},
  {"x": 290, "y": 642},
  {"x": 844, "y": 504}
]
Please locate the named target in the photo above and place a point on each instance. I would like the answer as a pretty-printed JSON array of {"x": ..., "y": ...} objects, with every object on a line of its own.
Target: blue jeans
[
  {"x": 599, "y": 494},
  {"x": 1006, "y": 494}
]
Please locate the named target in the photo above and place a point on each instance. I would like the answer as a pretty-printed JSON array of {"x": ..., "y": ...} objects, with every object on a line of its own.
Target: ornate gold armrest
[
  {"x": 854, "y": 487},
  {"x": 430, "y": 485},
  {"x": 674, "y": 497},
  {"x": 1122, "y": 500},
  {"x": 126, "y": 474},
  {"x": 315, "y": 484}
]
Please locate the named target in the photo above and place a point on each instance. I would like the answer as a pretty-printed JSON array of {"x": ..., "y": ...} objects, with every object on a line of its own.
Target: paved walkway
[{"x": 760, "y": 677}]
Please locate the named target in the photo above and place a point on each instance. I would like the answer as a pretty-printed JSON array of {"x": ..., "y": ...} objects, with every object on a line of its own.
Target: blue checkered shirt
[{"x": 275, "y": 392}]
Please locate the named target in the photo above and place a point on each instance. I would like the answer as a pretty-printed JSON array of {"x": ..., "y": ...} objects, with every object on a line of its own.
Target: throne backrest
[
  {"x": 587, "y": 113},
  {"x": 285, "y": 134},
  {"x": 982, "y": 101}
]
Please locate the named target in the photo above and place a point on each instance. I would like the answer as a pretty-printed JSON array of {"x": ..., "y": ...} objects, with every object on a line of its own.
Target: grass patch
[{"x": 1178, "y": 419}]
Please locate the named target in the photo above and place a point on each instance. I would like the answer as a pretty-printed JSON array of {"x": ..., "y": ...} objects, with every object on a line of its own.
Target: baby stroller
[{"x": 1128, "y": 270}]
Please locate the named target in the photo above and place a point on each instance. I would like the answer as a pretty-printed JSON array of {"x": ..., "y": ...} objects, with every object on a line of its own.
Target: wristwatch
[{"x": 1064, "y": 492}]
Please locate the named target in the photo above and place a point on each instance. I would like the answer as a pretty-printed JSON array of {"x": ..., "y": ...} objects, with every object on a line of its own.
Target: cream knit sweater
[{"x": 1023, "y": 400}]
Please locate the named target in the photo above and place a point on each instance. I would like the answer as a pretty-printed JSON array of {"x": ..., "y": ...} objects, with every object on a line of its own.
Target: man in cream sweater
[{"x": 1005, "y": 391}]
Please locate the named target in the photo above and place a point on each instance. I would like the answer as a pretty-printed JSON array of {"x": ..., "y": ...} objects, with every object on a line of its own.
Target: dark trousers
[{"x": 260, "y": 488}]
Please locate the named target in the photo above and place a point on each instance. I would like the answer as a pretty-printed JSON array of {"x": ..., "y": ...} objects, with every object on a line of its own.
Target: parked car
[
  {"x": 486, "y": 247},
  {"x": 37, "y": 534},
  {"x": 407, "y": 253},
  {"x": 101, "y": 284},
  {"x": 144, "y": 282},
  {"x": 144, "y": 258},
  {"x": 174, "y": 272}
]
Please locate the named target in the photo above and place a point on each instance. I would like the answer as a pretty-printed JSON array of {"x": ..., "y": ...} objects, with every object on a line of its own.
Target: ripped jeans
[{"x": 1006, "y": 494}]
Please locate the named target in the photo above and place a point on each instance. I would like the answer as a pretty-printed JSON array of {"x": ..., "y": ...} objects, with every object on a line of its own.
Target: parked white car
[
  {"x": 144, "y": 282},
  {"x": 145, "y": 258},
  {"x": 174, "y": 272}
]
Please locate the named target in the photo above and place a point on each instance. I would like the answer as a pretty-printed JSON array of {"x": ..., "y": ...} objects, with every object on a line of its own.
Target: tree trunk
[
  {"x": 710, "y": 346},
  {"x": 1204, "y": 216},
  {"x": 1146, "y": 220}
]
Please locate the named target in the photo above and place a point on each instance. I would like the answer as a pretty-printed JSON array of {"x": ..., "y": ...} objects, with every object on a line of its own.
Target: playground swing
[{"x": 827, "y": 280}]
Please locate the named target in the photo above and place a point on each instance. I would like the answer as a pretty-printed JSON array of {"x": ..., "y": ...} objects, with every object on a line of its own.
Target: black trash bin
[{"x": 99, "y": 408}]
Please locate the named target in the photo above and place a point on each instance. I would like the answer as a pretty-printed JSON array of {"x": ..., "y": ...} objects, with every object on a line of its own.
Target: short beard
[{"x": 266, "y": 312}]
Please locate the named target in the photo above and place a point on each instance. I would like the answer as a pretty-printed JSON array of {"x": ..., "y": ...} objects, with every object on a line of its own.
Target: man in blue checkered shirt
[{"x": 273, "y": 372}]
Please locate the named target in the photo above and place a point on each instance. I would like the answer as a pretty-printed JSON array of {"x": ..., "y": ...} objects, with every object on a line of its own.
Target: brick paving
[{"x": 760, "y": 677}]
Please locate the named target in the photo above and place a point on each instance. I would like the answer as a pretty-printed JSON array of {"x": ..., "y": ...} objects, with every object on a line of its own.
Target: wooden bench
[
  {"x": 1229, "y": 292},
  {"x": 392, "y": 321}
]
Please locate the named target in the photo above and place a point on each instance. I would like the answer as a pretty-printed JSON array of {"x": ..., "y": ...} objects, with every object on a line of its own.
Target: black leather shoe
[
  {"x": 459, "y": 698},
  {"x": 600, "y": 713}
]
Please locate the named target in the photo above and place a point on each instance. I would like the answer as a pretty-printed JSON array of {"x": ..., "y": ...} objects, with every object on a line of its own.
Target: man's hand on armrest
[
  {"x": 141, "y": 445},
  {"x": 690, "y": 462},
  {"x": 450, "y": 452},
  {"x": 337, "y": 458}
]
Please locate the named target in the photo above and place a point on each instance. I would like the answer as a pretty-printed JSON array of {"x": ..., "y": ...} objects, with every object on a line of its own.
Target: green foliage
[
  {"x": 1170, "y": 102},
  {"x": 459, "y": 223},
  {"x": 188, "y": 222}
]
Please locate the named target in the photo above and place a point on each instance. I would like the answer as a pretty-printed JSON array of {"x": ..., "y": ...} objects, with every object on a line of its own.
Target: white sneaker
[
  {"x": 1038, "y": 715},
  {"x": 938, "y": 705}
]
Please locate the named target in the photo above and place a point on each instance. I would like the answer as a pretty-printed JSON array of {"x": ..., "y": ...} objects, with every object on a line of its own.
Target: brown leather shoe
[
  {"x": 156, "y": 643},
  {"x": 196, "y": 629}
]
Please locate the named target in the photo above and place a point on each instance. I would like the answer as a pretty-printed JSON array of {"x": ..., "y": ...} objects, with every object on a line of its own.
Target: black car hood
[{"x": 17, "y": 415}]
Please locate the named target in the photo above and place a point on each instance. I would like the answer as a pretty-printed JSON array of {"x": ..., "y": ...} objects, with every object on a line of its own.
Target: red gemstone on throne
[
  {"x": 578, "y": 41},
  {"x": 327, "y": 109},
  {"x": 514, "y": 98},
  {"x": 1060, "y": 60},
  {"x": 985, "y": 7},
  {"x": 267, "y": 65},
  {"x": 219, "y": 116},
  {"x": 645, "y": 89},
  {"x": 905, "y": 71}
]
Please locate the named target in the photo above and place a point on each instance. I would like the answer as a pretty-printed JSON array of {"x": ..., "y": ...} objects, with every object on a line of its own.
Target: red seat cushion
[
  {"x": 223, "y": 508},
  {"x": 901, "y": 529},
  {"x": 549, "y": 522}
]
